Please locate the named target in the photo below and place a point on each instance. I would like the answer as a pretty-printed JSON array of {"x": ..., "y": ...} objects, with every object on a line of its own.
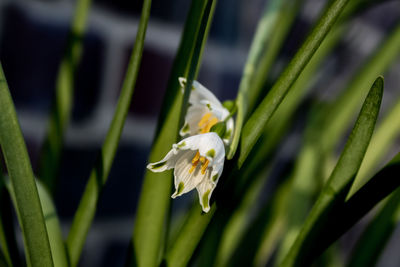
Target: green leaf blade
[{"x": 20, "y": 171}]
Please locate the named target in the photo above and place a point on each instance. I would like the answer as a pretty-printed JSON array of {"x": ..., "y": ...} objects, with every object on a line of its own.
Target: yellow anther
[
  {"x": 194, "y": 165},
  {"x": 195, "y": 161},
  {"x": 204, "y": 119},
  {"x": 196, "y": 157},
  {"x": 204, "y": 167},
  {"x": 210, "y": 124}
]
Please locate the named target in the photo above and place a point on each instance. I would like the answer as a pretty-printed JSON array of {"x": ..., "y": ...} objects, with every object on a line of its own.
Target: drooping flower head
[
  {"x": 205, "y": 111},
  {"x": 198, "y": 162}
]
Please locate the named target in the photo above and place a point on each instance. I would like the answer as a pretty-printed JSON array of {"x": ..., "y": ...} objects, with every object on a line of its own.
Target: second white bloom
[
  {"x": 205, "y": 111},
  {"x": 198, "y": 162}
]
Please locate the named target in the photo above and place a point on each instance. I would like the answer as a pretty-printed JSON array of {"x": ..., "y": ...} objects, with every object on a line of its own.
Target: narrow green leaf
[
  {"x": 254, "y": 126},
  {"x": 374, "y": 238},
  {"x": 98, "y": 177},
  {"x": 149, "y": 232},
  {"x": 382, "y": 140},
  {"x": 338, "y": 185},
  {"x": 20, "y": 171},
  {"x": 61, "y": 111},
  {"x": 274, "y": 10}
]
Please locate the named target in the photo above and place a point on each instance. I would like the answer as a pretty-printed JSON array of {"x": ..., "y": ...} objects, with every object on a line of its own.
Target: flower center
[
  {"x": 195, "y": 161},
  {"x": 206, "y": 122}
]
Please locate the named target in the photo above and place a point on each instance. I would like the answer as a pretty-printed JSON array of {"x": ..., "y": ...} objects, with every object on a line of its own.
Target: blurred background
[{"x": 33, "y": 36}]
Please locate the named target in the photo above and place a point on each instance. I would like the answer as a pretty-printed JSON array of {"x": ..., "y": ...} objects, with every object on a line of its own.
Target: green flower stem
[
  {"x": 255, "y": 125},
  {"x": 34, "y": 231},
  {"x": 61, "y": 112},
  {"x": 339, "y": 183},
  {"x": 98, "y": 177},
  {"x": 190, "y": 234},
  {"x": 152, "y": 213}
]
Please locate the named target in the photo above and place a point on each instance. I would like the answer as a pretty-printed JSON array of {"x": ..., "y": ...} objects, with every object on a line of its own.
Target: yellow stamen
[
  {"x": 204, "y": 167},
  {"x": 194, "y": 165},
  {"x": 196, "y": 157},
  {"x": 195, "y": 161},
  {"x": 204, "y": 119},
  {"x": 210, "y": 124}
]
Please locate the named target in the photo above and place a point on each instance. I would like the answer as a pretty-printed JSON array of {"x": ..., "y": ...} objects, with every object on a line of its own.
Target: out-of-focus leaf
[
  {"x": 340, "y": 114},
  {"x": 98, "y": 177},
  {"x": 38, "y": 252},
  {"x": 61, "y": 112},
  {"x": 254, "y": 126},
  {"x": 275, "y": 21},
  {"x": 260, "y": 238},
  {"x": 373, "y": 240},
  {"x": 381, "y": 185},
  {"x": 335, "y": 190}
]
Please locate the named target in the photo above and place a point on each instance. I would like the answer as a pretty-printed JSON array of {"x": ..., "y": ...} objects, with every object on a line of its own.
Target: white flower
[
  {"x": 204, "y": 112},
  {"x": 198, "y": 162}
]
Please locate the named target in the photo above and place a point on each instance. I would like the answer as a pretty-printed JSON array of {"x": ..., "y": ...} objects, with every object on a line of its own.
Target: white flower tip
[
  {"x": 182, "y": 81},
  {"x": 156, "y": 167},
  {"x": 178, "y": 190},
  {"x": 206, "y": 209},
  {"x": 205, "y": 201}
]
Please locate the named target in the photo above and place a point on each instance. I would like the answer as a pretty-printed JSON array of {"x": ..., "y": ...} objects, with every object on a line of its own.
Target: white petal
[
  {"x": 200, "y": 93},
  {"x": 167, "y": 163},
  {"x": 193, "y": 116},
  {"x": 205, "y": 190},
  {"x": 209, "y": 145},
  {"x": 184, "y": 180}
]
